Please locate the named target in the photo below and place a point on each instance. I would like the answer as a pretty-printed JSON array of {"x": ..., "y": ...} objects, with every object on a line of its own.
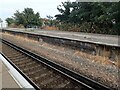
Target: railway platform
[
  {"x": 99, "y": 60},
  {"x": 94, "y": 44},
  {"x": 6, "y": 80},
  {"x": 110, "y": 40},
  {"x": 10, "y": 78}
]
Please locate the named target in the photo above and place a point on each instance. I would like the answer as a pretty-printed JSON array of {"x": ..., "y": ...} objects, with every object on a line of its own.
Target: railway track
[{"x": 43, "y": 73}]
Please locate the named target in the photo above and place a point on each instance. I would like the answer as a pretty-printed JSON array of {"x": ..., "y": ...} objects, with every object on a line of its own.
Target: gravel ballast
[{"x": 105, "y": 74}]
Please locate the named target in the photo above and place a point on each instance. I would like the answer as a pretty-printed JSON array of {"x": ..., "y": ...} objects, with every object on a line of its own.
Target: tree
[
  {"x": 97, "y": 17},
  {"x": 27, "y": 18},
  {"x": 50, "y": 20},
  {"x": 115, "y": 16},
  {"x": 65, "y": 12},
  {"x": 19, "y": 18},
  {"x": 10, "y": 21}
]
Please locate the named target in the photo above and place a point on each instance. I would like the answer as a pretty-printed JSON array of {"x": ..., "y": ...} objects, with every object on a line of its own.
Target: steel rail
[
  {"x": 26, "y": 77},
  {"x": 82, "y": 80}
]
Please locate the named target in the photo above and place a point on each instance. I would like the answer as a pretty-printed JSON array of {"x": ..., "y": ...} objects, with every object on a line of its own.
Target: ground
[{"x": 70, "y": 58}]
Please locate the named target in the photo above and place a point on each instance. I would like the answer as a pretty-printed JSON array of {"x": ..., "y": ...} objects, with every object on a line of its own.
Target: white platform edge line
[{"x": 20, "y": 80}]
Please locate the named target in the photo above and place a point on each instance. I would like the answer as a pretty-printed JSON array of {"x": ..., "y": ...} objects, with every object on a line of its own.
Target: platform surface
[
  {"x": 111, "y": 40},
  {"x": 6, "y": 80}
]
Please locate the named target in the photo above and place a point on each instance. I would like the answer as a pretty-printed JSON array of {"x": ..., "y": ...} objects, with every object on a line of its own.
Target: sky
[{"x": 44, "y": 7}]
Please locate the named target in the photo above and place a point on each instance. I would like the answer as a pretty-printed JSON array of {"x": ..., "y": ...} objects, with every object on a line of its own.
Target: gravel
[{"x": 105, "y": 74}]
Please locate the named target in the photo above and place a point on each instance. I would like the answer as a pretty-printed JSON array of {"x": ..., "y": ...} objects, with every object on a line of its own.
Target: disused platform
[
  {"x": 110, "y": 40},
  {"x": 95, "y": 44},
  {"x": 96, "y": 67}
]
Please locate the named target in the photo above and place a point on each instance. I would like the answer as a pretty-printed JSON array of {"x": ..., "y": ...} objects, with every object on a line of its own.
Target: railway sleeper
[
  {"x": 27, "y": 65},
  {"x": 26, "y": 61},
  {"x": 32, "y": 68},
  {"x": 29, "y": 73},
  {"x": 11, "y": 54},
  {"x": 14, "y": 55},
  {"x": 18, "y": 57},
  {"x": 43, "y": 76},
  {"x": 55, "y": 82},
  {"x": 46, "y": 77},
  {"x": 49, "y": 81},
  {"x": 21, "y": 59}
]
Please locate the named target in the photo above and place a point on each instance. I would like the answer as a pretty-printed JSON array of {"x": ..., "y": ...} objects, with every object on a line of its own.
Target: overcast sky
[{"x": 44, "y": 7}]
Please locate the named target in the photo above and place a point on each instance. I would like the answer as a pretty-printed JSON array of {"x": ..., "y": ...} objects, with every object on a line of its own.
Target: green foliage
[
  {"x": 64, "y": 17},
  {"x": 50, "y": 20},
  {"x": 98, "y": 17},
  {"x": 10, "y": 21},
  {"x": 27, "y": 18}
]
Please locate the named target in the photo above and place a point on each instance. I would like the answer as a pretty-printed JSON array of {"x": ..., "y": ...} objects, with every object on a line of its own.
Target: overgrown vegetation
[
  {"x": 27, "y": 18},
  {"x": 90, "y": 17}
]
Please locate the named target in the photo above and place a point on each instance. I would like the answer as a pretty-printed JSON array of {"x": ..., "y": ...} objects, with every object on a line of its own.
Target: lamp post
[{"x": 1, "y": 21}]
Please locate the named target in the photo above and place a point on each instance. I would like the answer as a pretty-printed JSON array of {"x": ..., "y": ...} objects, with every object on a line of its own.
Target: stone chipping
[{"x": 105, "y": 74}]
